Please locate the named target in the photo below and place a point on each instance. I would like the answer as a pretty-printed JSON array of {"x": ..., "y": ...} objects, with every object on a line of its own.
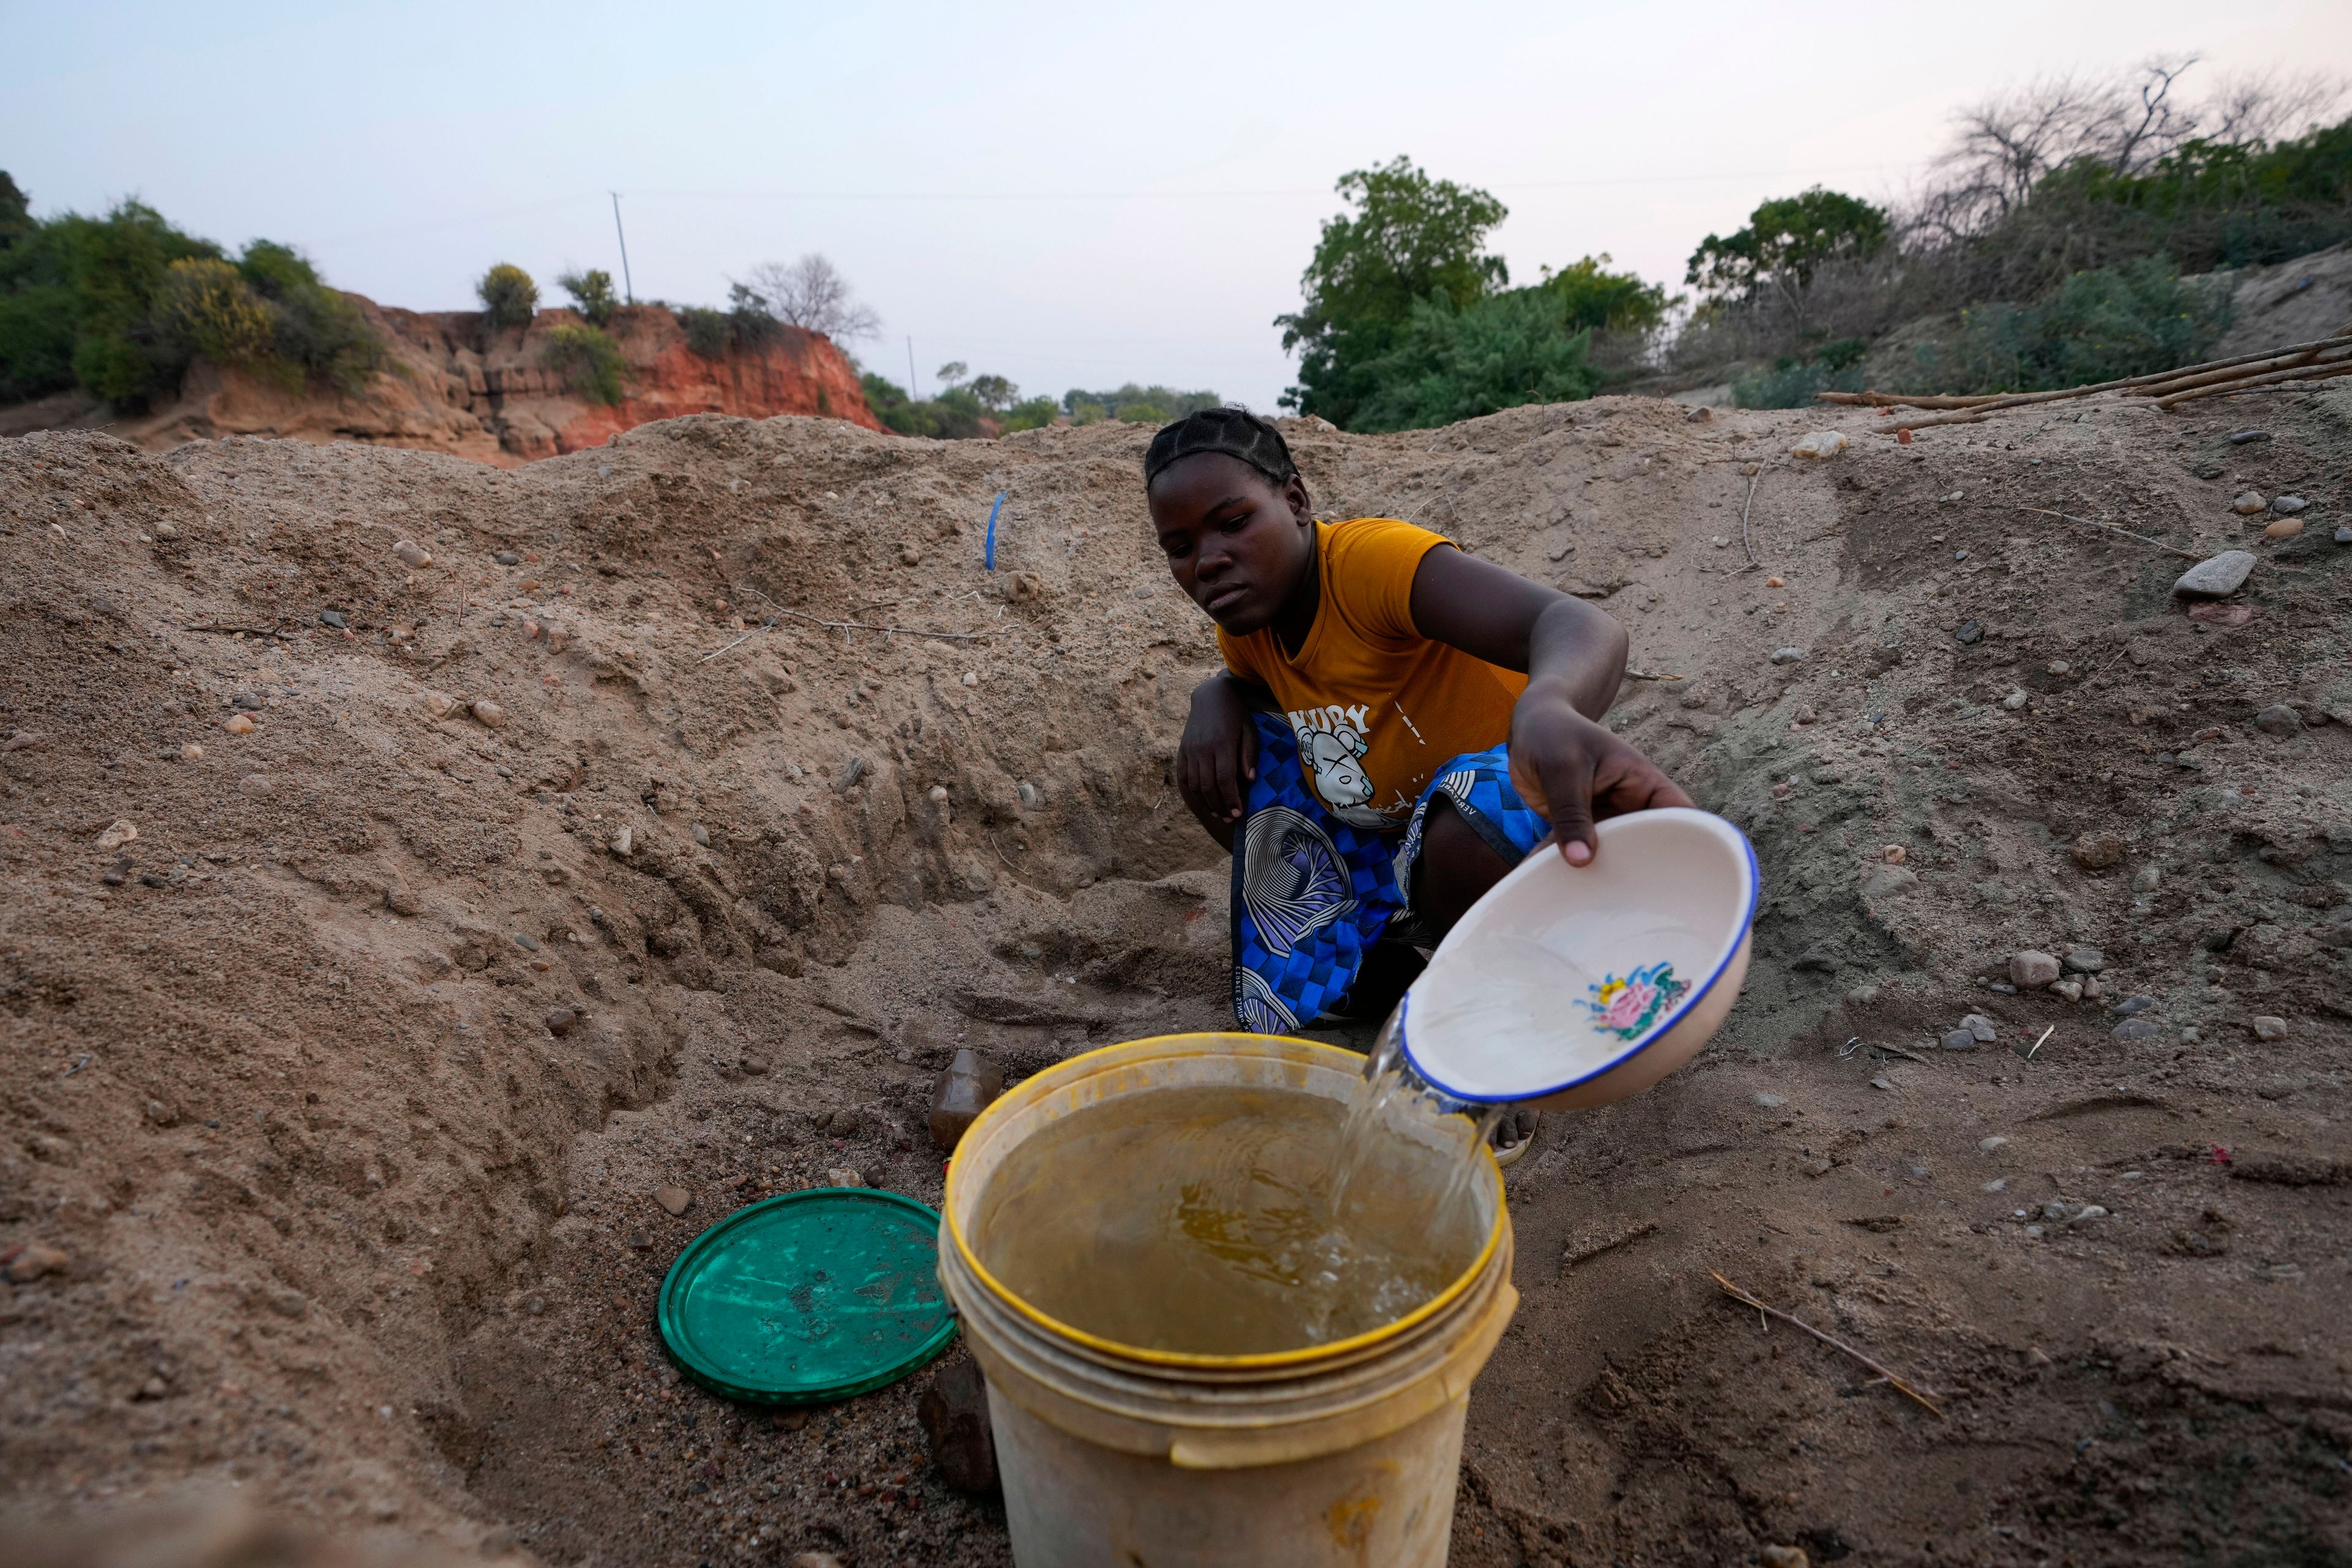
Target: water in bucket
[{"x": 1234, "y": 1221}]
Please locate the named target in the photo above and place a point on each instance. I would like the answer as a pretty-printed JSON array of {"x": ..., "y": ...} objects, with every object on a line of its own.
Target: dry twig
[
  {"x": 2146, "y": 385},
  {"x": 848, "y": 626},
  {"x": 1624, "y": 1238},
  {"x": 1753, "y": 480},
  {"x": 2111, "y": 528},
  {"x": 2324, "y": 371},
  {"x": 1899, "y": 1385}
]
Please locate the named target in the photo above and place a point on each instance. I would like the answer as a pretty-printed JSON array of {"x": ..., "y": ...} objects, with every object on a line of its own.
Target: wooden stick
[
  {"x": 2183, "y": 382},
  {"x": 739, "y": 642},
  {"x": 2011, "y": 400},
  {"x": 1899, "y": 1385},
  {"x": 1611, "y": 1244},
  {"x": 2111, "y": 528},
  {"x": 2307, "y": 372},
  {"x": 1752, "y": 479}
]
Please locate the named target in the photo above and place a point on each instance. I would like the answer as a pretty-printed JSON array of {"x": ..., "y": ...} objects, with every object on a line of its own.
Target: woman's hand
[
  {"x": 1217, "y": 757},
  {"x": 1575, "y": 770}
]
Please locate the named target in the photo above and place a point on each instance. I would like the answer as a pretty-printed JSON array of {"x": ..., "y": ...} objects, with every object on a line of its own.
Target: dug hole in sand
[{"x": 509, "y": 902}]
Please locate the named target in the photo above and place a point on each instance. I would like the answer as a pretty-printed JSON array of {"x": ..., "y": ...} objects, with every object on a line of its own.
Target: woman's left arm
[{"x": 1564, "y": 762}]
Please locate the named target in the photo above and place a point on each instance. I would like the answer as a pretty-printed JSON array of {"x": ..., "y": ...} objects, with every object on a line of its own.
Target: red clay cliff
[{"x": 452, "y": 384}]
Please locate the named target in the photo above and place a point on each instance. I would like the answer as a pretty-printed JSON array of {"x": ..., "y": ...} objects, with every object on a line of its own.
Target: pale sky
[{"x": 1064, "y": 195}]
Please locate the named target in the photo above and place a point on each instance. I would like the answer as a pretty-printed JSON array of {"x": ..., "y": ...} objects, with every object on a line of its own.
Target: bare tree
[{"x": 812, "y": 294}]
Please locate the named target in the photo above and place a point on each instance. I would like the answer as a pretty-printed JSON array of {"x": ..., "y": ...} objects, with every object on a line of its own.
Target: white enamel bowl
[{"x": 1569, "y": 986}]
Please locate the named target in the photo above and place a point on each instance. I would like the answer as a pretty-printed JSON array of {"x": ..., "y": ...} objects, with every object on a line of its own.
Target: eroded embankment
[{"x": 338, "y": 1200}]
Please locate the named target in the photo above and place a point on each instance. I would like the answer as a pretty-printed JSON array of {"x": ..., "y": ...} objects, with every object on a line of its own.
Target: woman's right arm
[{"x": 1217, "y": 757}]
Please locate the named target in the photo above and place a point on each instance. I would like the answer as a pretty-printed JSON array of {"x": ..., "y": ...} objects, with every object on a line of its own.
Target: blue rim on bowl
[{"x": 1656, "y": 1031}]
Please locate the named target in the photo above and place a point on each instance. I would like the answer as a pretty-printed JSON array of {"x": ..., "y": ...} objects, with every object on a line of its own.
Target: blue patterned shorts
[{"x": 1312, "y": 894}]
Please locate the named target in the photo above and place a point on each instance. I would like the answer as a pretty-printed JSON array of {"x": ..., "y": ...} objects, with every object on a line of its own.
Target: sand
[{"x": 310, "y": 1194}]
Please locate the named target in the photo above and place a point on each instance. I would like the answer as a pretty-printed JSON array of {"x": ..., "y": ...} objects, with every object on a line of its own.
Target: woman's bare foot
[{"x": 1514, "y": 1133}]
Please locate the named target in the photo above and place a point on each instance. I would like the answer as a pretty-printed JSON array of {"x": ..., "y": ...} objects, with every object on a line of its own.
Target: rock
[
  {"x": 2216, "y": 576},
  {"x": 412, "y": 553},
  {"x": 701, "y": 835},
  {"x": 116, "y": 837},
  {"x": 1787, "y": 654},
  {"x": 34, "y": 1260},
  {"x": 506, "y": 558},
  {"x": 288, "y": 1303},
  {"x": 842, "y": 1176},
  {"x": 2267, "y": 1027},
  {"x": 1770, "y": 1102},
  {"x": 401, "y": 898},
  {"x": 2131, "y": 1006},
  {"x": 167, "y": 530},
  {"x": 1981, "y": 1027},
  {"x": 2097, "y": 852},
  {"x": 909, "y": 556},
  {"x": 21, "y": 740},
  {"x": 255, "y": 783},
  {"x": 625, "y": 843},
  {"x": 525, "y": 940},
  {"x": 754, "y": 1064},
  {"x": 335, "y": 618},
  {"x": 1881, "y": 1083},
  {"x": 2071, "y": 990},
  {"x": 815, "y": 1560},
  {"x": 2344, "y": 533},
  {"x": 251, "y": 701},
  {"x": 938, "y": 794},
  {"x": 2250, "y": 502},
  {"x": 1783, "y": 1557},
  {"x": 2016, "y": 698},
  {"x": 562, "y": 1021},
  {"x": 1894, "y": 854},
  {"x": 2279, "y": 719},
  {"x": 239, "y": 724},
  {"x": 972, "y": 677},
  {"x": 1028, "y": 793},
  {"x": 2082, "y": 960},
  {"x": 436, "y": 704},
  {"x": 2284, "y": 528},
  {"x": 954, "y": 1413},
  {"x": 2030, "y": 971},
  {"x": 191, "y": 753},
  {"x": 153, "y": 1388},
  {"x": 1888, "y": 880},
  {"x": 1960, "y": 1040},
  {"x": 640, "y": 1241},
  {"x": 2088, "y": 1213},
  {"x": 1819, "y": 444},
  {"x": 488, "y": 714},
  {"x": 2137, "y": 1030},
  {"x": 1987, "y": 1145},
  {"x": 2148, "y": 880},
  {"x": 677, "y": 1200},
  {"x": 2240, "y": 437},
  {"x": 1971, "y": 633}
]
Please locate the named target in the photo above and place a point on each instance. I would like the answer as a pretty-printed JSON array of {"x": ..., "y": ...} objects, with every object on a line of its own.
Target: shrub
[
  {"x": 591, "y": 361},
  {"x": 2100, "y": 325},
  {"x": 1459, "y": 362},
  {"x": 1791, "y": 382},
  {"x": 508, "y": 296},
  {"x": 1155, "y": 404},
  {"x": 207, "y": 308},
  {"x": 591, "y": 294},
  {"x": 1029, "y": 413},
  {"x": 707, "y": 331}
]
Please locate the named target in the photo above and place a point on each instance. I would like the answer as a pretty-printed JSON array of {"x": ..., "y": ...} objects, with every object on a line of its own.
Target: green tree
[
  {"x": 1787, "y": 241},
  {"x": 591, "y": 363},
  {"x": 1596, "y": 298},
  {"x": 16, "y": 213},
  {"x": 1457, "y": 361},
  {"x": 591, "y": 294},
  {"x": 508, "y": 296},
  {"x": 1408, "y": 238},
  {"x": 1137, "y": 404}
]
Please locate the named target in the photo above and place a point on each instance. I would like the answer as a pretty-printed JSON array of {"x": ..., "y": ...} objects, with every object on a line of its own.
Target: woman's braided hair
[{"x": 1235, "y": 432}]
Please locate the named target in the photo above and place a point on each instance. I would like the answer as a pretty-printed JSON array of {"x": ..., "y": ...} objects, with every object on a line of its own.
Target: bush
[
  {"x": 747, "y": 322},
  {"x": 1459, "y": 362},
  {"x": 591, "y": 294},
  {"x": 312, "y": 327},
  {"x": 2102, "y": 325},
  {"x": 591, "y": 363},
  {"x": 508, "y": 296},
  {"x": 707, "y": 331},
  {"x": 207, "y": 307},
  {"x": 1791, "y": 382},
  {"x": 1137, "y": 405}
]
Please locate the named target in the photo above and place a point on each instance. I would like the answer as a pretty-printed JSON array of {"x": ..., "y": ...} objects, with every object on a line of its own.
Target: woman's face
[{"x": 1236, "y": 541}]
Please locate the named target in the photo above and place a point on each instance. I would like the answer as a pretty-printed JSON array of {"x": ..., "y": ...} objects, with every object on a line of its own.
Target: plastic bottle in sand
[{"x": 965, "y": 1090}]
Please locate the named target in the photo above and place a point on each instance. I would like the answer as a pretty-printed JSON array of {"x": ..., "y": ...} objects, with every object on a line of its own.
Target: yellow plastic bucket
[{"x": 1342, "y": 1453}]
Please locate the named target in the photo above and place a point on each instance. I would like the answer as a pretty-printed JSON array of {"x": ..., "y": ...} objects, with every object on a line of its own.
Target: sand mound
[{"x": 612, "y": 850}]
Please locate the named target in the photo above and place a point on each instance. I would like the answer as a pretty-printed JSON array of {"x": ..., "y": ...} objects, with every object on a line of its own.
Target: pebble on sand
[
  {"x": 1787, "y": 654},
  {"x": 954, "y": 1413},
  {"x": 562, "y": 1022},
  {"x": 1960, "y": 1040},
  {"x": 2279, "y": 719},
  {"x": 1783, "y": 1557},
  {"x": 2267, "y": 1027},
  {"x": 1987, "y": 1145},
  {"x": 842, "y": 1176},
  {"x": 2284, "y": 528},
  {"x": 2030, "y": 971},
  {"x": 489, "y": 714},
  {"x": 35, "y": 1260},
  {"x": 1894, "y": 854},
  {"x": 2082, "y": 959},
  {"x": 677, "y": 1200},
  {"x": 2250, "y": 502},
  {"x": 191, "y": 753},
  {"x": 116, "y": 837},
  {"x": 2137, "y": 1030},
  {"x": 2097, "y": 852},
  {"x": 239, "y": 724},
  {"x": 2216, "y": 576},
  {"x": 1981, "y": 1027},
  {"x": 2288, "y": 506},
  {"x": 414, "y": 554}
]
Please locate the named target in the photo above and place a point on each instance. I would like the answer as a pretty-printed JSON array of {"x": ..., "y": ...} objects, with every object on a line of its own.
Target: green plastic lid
[{"x": 809, "y": 1297}]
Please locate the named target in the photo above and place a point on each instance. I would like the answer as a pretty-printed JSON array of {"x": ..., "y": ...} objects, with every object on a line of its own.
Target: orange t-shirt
[{"x": 1377, "y": 707}]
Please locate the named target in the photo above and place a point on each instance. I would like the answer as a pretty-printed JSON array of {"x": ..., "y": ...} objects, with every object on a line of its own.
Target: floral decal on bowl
[{"x": 1627, "y": 1007}]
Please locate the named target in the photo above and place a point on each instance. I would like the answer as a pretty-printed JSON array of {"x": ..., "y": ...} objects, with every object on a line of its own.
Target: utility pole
[
  {"x": 912, "y": 395},
  {"x": 629, "y": 289}
]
